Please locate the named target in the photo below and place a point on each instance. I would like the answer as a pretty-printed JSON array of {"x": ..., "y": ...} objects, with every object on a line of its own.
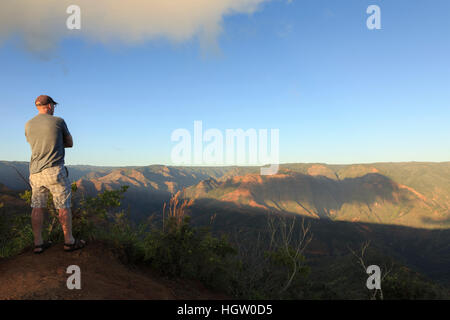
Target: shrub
[
  {"x": 176, "y": 249},
  {"x": 16, "y": 235},
  {"x": 180, "y": 250},
  {"x": 272, "y": 264}
]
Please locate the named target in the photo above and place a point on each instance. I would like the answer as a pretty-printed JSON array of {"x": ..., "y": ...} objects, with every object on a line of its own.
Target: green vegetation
[
  {"x": 15, "y": 233},
  {"x": 265, "y": 265},
  {"x": 174, "y": 249},
  {"x": 271, "y": 264},
  {"x": 403, "y": 284},
  {"x": 183, "y": 251}
]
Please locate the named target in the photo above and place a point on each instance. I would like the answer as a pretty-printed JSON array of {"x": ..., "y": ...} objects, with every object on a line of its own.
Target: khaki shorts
[{"x": 54, "y": 180}]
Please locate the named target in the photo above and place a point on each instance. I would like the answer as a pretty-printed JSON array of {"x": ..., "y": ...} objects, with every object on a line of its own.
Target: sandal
[
  {"x": 43, "y": 247},
  {"x": 78, "y": 244}
]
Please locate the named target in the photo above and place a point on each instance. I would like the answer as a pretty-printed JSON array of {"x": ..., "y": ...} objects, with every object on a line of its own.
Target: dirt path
[{"x": 103, "y": 276}]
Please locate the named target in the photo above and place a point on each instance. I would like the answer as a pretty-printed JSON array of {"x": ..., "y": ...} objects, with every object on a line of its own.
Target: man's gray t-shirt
[{"x": 46, "y": 135}]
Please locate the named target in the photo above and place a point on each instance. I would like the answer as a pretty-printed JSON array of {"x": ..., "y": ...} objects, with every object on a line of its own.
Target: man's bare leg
[
  {"x": 37, "y": 221},
  {"x": 65, "y": 218}
]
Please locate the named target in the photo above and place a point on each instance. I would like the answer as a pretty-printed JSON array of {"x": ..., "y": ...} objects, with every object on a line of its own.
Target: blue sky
[{"x": 337, "y": 91}]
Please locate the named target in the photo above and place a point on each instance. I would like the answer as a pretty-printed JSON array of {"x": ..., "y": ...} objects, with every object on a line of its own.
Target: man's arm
[
  {"x": 68, "y": 141},
  {"x": 67, "y": 137}
]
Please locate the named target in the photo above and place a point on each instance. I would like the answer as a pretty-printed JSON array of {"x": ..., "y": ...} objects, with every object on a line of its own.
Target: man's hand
[{"x": 68, "y": 141}]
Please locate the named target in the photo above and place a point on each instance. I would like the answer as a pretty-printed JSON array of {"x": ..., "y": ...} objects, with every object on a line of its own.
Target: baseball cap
[{"x": 44, "y": 100}]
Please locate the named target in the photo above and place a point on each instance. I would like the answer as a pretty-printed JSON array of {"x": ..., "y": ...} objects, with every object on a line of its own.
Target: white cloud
[{"x": 42, "y": 24}]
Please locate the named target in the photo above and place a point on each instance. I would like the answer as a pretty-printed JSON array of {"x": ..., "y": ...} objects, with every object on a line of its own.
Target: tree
[{"x": 361, "y": 260}]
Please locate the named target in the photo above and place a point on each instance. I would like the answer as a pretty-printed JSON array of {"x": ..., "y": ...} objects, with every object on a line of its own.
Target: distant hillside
[
  {"x": 409, "y": 194},
  {"x": 10, "y": 201},
  {"x": 154, "y": 178},
  {"x": 149, "y": 187},
  {"x": 402, "y": 208},
  {"x": 10, "y": 177}
]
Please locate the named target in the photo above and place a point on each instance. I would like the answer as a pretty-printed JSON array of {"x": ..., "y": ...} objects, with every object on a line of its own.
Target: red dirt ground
[{"x": 103, "y": 276}]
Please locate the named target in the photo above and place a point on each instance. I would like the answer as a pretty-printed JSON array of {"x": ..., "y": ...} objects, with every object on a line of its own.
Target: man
[{"x": 48, "y": 136}]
